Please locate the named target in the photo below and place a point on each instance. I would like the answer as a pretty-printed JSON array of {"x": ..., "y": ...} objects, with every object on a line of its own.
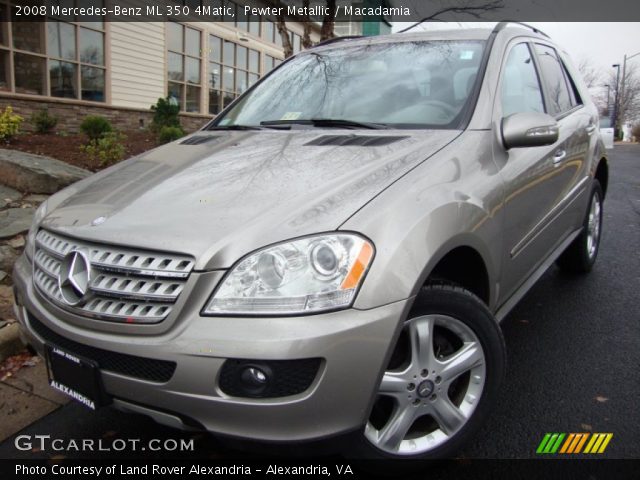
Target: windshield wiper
[{"x": 327, "y": 122}]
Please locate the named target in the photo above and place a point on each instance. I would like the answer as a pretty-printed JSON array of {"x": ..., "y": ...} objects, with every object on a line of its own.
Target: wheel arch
[{"x": 463, "y": 261}]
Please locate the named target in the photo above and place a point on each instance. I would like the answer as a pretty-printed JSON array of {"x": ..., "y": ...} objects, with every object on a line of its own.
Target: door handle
[
  {"x": 590, "y": 129},
  {"x": 559, "y": 156}
]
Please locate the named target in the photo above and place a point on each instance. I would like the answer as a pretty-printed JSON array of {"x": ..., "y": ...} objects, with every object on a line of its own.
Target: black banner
[
  {"x": 321, "y": 468},
  {"x": 318, "y": 10}
]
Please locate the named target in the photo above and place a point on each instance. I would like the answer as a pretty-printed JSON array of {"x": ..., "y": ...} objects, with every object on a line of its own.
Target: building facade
[{"x": 119, "y": 69}]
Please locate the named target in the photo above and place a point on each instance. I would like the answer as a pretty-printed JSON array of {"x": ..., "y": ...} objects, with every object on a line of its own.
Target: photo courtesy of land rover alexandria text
[{"x": 333, "y": 254}]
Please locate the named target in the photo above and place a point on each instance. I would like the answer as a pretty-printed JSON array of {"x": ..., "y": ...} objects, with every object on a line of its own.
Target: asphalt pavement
[{"x": 573, "y": 350}]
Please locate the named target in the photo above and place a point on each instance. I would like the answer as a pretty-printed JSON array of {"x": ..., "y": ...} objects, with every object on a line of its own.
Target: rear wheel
[
  {"x": 442, "y": 378},
  {"x": 580, "y": 256}
]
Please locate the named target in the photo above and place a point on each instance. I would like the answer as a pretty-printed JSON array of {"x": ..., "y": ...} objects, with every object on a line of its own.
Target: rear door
[{"x": 578, "y": 134}]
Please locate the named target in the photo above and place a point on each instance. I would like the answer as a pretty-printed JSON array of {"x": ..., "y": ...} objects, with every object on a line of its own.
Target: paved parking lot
[{"x": 573, "y": 347}]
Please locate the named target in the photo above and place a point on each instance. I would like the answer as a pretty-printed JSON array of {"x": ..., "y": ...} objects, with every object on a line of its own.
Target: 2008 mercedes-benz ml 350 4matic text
[{"x": 332, "y": 254}]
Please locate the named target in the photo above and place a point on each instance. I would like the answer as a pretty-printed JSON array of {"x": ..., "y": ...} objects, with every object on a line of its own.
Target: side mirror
[{"x": 529, "y": 129}]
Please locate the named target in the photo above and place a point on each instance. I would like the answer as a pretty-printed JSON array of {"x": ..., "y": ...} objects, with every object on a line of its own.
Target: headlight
[
  {"x": 41, "y": 212},
  {"x": 308, "y": 275}
]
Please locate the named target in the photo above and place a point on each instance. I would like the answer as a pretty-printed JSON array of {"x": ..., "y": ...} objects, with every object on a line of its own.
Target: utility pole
[{"x": 614, "y": 120}]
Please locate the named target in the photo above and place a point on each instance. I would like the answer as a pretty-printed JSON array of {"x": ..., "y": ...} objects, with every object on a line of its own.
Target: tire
[
  {"x": 441, "y": 382},
  {"x": 581, "y": 254}
]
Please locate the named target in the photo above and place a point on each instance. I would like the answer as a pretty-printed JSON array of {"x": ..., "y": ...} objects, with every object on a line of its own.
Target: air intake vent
[
  {"x": 354, "y": 140},
  {"x": 199, "y": 139}
]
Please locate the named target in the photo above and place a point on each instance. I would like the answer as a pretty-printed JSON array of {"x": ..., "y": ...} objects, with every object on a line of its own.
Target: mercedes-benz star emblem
[{"x": 74, "y": 277}]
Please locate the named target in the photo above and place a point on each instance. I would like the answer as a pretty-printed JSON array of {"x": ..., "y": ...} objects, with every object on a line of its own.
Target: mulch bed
[
  {"x": 67, "y": 148},
  {"x": 11, "y": 365}
]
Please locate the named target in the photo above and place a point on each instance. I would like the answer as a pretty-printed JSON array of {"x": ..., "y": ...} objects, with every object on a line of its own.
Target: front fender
[{"x": 452, "y": 200}]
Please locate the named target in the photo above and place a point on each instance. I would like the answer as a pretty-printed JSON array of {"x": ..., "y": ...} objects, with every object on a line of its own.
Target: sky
[{"x": 602, "y": 43}]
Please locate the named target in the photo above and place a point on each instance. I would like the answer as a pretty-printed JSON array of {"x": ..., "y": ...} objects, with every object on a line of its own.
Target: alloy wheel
[
  {"x": 431, "y": 388},
  {"x": 593, "y": 226}
]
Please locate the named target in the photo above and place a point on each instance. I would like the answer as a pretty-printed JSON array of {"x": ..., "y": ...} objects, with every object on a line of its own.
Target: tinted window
[
  {"x": 573, "y": 91},
  {"x": 553, "y": 74},
  {"x": 520, "y": 86}
]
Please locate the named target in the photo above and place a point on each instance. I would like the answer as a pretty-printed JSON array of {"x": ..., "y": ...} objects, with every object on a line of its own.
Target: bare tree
[
  {"x": 329, "y": 22},
  {"x": 327, "y": 30},
  {"x": 591, "y": 75},
  {"x": 281, "y": 26},
  {"x": 474, "y": 8},
  {"x": 628, "y": 101},
  {"x": 306, "y": 36}
]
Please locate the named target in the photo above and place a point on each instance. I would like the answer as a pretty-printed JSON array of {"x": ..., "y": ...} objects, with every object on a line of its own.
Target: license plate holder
[{"x": 75, "y": 376}]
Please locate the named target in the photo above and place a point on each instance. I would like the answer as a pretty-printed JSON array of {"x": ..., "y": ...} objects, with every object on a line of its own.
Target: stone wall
[{"x": 70, "y": 114}]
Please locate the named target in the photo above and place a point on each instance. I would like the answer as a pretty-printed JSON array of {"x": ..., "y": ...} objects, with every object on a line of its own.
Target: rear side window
[
  {"x": 520, "y": 86},
  {"x": 560, "y": 99}
]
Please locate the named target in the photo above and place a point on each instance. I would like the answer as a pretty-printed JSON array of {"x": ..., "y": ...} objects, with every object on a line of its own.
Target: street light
[{"x": 614, "y": 119}]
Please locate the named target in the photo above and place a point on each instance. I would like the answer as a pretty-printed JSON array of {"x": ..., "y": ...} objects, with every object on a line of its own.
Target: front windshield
[{"x": 404, "y": 84}]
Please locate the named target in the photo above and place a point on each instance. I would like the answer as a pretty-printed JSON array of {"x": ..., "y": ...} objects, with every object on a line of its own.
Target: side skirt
[{"x": 507, "y": 306}]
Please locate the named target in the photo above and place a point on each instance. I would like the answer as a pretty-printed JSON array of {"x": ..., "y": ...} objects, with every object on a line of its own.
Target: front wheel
[{"x": 442, "y": 378}]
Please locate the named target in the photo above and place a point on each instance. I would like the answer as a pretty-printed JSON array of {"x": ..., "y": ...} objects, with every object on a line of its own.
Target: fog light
[
  {"x": 254, "y": 376},
  {"x": 254, "y": 379}
]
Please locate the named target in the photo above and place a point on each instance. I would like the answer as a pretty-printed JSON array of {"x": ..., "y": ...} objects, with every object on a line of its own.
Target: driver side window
[{"x": 521, "y": 90}]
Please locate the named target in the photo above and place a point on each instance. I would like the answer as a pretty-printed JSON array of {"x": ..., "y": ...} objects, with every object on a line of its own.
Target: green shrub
[
  {"x": 9, "y": 124},
  {"x": 106, "y": 150},
  {"x": 95, "y": 126},
  {"x": 169, "y": 134},
  {"x": 43, "y": 122},
  {"x": 165, "y": 114}
]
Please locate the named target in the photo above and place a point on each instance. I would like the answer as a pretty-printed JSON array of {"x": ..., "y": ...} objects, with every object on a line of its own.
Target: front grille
[
  {"x": 285, "y": 377},
  {"x": 126, "y": 285},
  {"x": 149, "y": 369}
]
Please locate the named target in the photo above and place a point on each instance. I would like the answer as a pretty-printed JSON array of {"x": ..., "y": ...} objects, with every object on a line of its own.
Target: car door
[{"x": 538, "y": 180}]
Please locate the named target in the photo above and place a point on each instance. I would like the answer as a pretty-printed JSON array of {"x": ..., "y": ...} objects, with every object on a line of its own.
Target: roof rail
[
  {"x": 504, "y": 24},
  {"x": 336, "y": 39}
]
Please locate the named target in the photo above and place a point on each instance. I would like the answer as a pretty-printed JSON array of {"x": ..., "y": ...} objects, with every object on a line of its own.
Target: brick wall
[{"x": 70, "y": 115}]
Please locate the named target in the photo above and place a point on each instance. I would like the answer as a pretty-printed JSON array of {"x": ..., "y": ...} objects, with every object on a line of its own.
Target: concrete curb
[{"x": 10, "y": 342}]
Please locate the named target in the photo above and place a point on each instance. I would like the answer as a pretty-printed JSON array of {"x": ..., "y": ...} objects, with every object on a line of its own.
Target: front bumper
[{"x": 353, "y": 346}]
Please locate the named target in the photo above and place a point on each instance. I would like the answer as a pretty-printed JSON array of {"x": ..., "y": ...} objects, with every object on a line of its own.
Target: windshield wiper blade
[
  {"x": 327, "y": 122},
  {"x": 331, "y": 122},
  {"x": 234, "y": 127}
]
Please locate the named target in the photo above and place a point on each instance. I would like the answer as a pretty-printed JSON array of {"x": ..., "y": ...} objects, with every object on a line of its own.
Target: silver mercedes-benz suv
[{"x": 334, "y": 252}]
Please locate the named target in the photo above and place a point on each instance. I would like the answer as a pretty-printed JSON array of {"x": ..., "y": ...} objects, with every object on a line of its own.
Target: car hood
[{"x": 224, "y": 194}]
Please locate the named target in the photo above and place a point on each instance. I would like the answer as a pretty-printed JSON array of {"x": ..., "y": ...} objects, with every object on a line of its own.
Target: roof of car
[{"x": 433, "y": 35}]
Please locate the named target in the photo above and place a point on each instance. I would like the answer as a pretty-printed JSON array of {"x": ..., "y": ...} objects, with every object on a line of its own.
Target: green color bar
[
  {"x": 558, "y": 442},
  {"x": 550, "y": 443},
  {"x": 543, "y": 443}
]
